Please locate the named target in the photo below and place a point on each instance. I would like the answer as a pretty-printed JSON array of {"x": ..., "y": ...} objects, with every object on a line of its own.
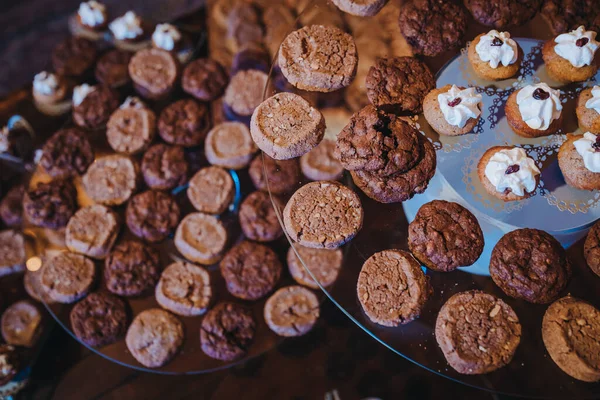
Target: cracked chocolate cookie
[
  {"x": 283, "y": 175},
  {"x": 73, "y": 56},
  {"x": 591, "y": 248},
  {"x": 67, "y": 153},
  {"x": 96, "y": 107},
  {"x": 531, "y": 265},
  {"x": 567, "y": 15},
  {"x": 185, "y": 122},
  {"x": 258, "y": 218},
  {"x": 99, "y": 319},
  {"x": 152, "y": 215},
  {"x": 324, "y": 264},
  {"x": 68, "y": 277},
  {"x": 184, "y": 289},
  {"x": 131, "y": 269},
  {"x": 111, "y": 68},
  {"x": 164, "y": 167},
  {"x": 205, "y": 79},
  {"x": 292, "y": 311},
  {"x": 445, "y": 236},
  {"x": 50, "y": 205},
  {"x": 227, "y": 331},
  {"x": 501, "y": 14},
  {"x": 323, "y": 214},
  {"x": 399, "y": 84},
  {"x": 477, "y": 332},
  {"x": 432, "y": 26}
]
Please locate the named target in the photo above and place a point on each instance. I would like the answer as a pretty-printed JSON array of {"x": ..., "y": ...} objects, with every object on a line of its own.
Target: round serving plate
[{"x": 565, "y": 212}]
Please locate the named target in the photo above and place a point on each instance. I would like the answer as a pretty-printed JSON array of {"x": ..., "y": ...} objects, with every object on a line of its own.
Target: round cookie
[
  {"x": 111, "y": 180},
  {"x": 155, "y": 337},
  {"x": 131, "y": 128},
  {"x": 360, "y": 8},
  {"x": 283, "y": 175},
  {"x": 112, "y": 68},
  {"x": 318, "y": 58},
  {"x": 531, "y": 265},
  {"x": 251, "y": 56},
  {"x": 230, "y": 145},
  {"x": 185, "y": 122},
  {"x": 50, "y": 205},
  {"x": 476, "y": 342},
  {"x": 32, "y": 281},
  {"x": 445, "y": 236},
  {"x": 323, "y": 214},
  {"x": 324, "y": 264},
  {"x": 73, "y": 56},
  {"x": 211, "y": 190},
  {"x": 572, "y": 167},
  {"x": 591, "y": 248},
  {"x": 11, "y": 206},
  {"x": 399, "y": 84},
  {"x": 561, "y": 70},
  {"x": 92, "y": 231},
  {"x": 67, "y": 153},
  {"x": 227, "y": 331},
  {"x": 251, "y": 270},
  {"x": 258, "y": 218},
  {"x": 432, "y": 26},
  {"x": 22, "y": 324},
  {"x": 201, "y": 238},
  {"x": 12, "y": 252},
  {"x": 501, "y": 14},
  {"x": 435, "y": 118},
  {"x": 321, "y": 164},
  {"x": 154, "y": 73},
  {"x": 96, "y": 107},
  {"x": 244, "y": 93},
  {"x": 567, "y": 15},
  {"x": 483, "y": 68},
  {"x": 515, "y": 120},
  {"x": 131, "y": 269},
  {"x": 99, "y": 319},
  {"x": 68, "y": 277},
  {"x": 152, "y": 215},
  {"x": 286, "y": 126},
  {"x": 205, "y": 79},
  {"x": 164, "y": 167},
  {"x": 587, "y": 118},
  {"x": 570, "y": 330},
  {"x": 184, "y": 289},
  {"x": 292, "y": 311},
  {"x": 392, "y": 288}
]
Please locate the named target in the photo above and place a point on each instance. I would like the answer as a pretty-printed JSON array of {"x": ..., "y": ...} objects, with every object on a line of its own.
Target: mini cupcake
[
  {"x": 90, "y": 22},
  {"x": 571, "y": 57},
  {"x": 51, "y": 94},
  {"x": 508, "y": 173},
  {"x": 112, "y": 68},
  {"x": 495, "y": 56},
  {"x": 452, "y": 110},
  {"x": 154, "y": 73},
  {"x": 579, "y": 161},
  {"x": 93, "y": 105},
  {"x": 129, "y": 32},
  {"x": 169, "y": 38},
  {"x": 534, "y": 111},
  {"x": 588, "y": 110}
]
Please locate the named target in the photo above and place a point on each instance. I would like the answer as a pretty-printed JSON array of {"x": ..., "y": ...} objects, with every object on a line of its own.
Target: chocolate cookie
[
  {"x": 184, "y": 289},
  {"x": 258, "y": 218},
  {"x": 112, "y": 68},
  {"x": 321, "y": 164},
  {"x": 131, "y": 128},
  {"x": 154, "y": 73},
  {"x": 185, "y": 122},
  {"x": 10, "y": 363},
  {"x": 99, "y": 319},
  {"x": 477, "y": 332},
  {"x": 530, "y": 264},
  {"x": 503, "y": 13},
  {"x": 205, "y": 79},
  {"x": 567, "y": 15},
  {"x": 227, "y": 331},
  {"x": 445, "y": 236},
  {"x": 323, "y": 215},
  {"x": 11, "y": 206},
  {"x": 111, "y": 180},
  {"x": 12, "y": 252},
  {"x": 131, "y": 269},
  {"x": 282, "y": 176},
  {"x": 211, "y": 190},
  {"x": 324, "y": 264},
  {"x": 152, "y": 215},
  {"x": 67, "y": 153},
  {"x": 68, "y": 277},
  {"x": 432, "y": 26},
  {"x": 377, "y": 141},
  {"x": 251, "y": 56},
  {"x": 292, "y": 311},
  {"x": 96, "y": 107},
  {"x": 230, "y": 145},
  {"x": 251, "y": 270},
  {"x": 399, "y": 84},
  {"x": 591, "y": 248},
  {"x": 570, "y": 330},
  {"x": 92, "y": 231},
  {"x": 392, "y": 288},
  {"x": 155, "y": 337},
  {"x": 50, "y": 205},
  {"x": 318, "y": 58},
  {"x": 244, "y": 93},
  {"x": 22, "y": 324},
  {"x": 164, "y": 167},
  {"x": 73, "y": 56},
  {"x": 201, "y": 238}
]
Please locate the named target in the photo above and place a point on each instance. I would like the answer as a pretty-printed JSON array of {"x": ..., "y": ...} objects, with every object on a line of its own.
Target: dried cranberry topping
[
  {"x": 596, "y": 144},
  {"x": 455, "y": 102},
  {"x": 512, "y": 169},
  {"x": 497, "y": 41},
  {"x": 582, "y": 42},
  {"x": 540, "y": 94}
]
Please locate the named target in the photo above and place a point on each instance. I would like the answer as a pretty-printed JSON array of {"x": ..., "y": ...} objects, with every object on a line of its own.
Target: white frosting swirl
[
  {"x": 128, "y": 26},
  {"x": 133, "y": 102},
  {"x": 519, "y": 182},
  {"x": 462, "y": 110},
  {"x": 92, "y": 13},
  {"x": 539, "y": 113},
  {"x": 507, "y": 53},
  {"x": 569, "y": 46},
  {"x": 591, "y": 157},
  {"x": 4, "y": 143},
  {"x": 80, "y": 92},
  {"x": 594, "y": 102},
  {"x": 45, "y": 83},
  {"x": 165, "y": 36}
]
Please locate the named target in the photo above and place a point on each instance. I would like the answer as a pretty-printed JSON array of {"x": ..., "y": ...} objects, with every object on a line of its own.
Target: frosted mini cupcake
[
  {"x": 572, "y": 56},
  {"x": 495, "y": 56},
  {"x": 129, "y": 32},
  {"x": 452, "y": 110},
  {"x": 534, "y": 111},
  {"x": 579, "y": 161},
  {"x": 169, "y": 38},
  {"x": 588, "y": 110},
  {"x": 90, "y": 21},
  {"x": 51, "y": 94}
]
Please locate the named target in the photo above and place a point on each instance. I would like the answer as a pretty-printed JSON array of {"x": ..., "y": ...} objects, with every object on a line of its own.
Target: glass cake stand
[{"x": 562, "y": 211}]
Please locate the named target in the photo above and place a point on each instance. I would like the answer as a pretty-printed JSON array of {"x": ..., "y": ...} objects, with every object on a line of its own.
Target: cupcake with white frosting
[
  {"x": 579, "y": 161},
  {"x": 51, "y": 93},
  {"x": 495, "y": 55},
  {"x": 588, "y": 110},
  {"x": 572, "y": 56},
  {"x": 90, "y": 21},
  {"x": 130, "y": 32},
  {"x": 508, "y": 173},
  {"x": 452, "y": 110},
  {"x": 534, "y": 111},
  {"x": 168, "y": 37}
]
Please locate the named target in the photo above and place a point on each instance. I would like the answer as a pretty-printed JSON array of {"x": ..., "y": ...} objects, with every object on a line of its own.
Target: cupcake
[
  {"x": 495, "y": 56},
  {"x": 169, "y": 38},
  {"x": 579, "y": 161},
  {"x": 129, "y": 32},
  {"x": 90, "y": 21},
  {"x": 534, "y": 111},
  {"x": 588, "y": 110},
  {"x": 51, "y": 94},
  {"x": 508, "y": 173},
  {"x": 452, "y": 110},
  {"x": 93, "y": 105},
  {"x": 571, "y": 57},
  {"x": 154, "y": 73}
]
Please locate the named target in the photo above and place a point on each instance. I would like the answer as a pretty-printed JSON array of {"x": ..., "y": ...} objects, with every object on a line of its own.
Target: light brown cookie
[
  {"x": 32, "y": 281},
  {"x": 211, "y": 190},
  {"x": 561, "y": 70},
  {"x": 292, "y": 311},
  {"x": 515, "y": 120},
  {"x": 434, "y": 116},
  {"x": 154, "y": 73},
  {"x": 22, "y": 324},
  {"x": 131, "y": 128},
  {"x": 244, "y": 93},
  {"x": 588, "y": 118},
  {"x": 92, "y": 231},
  {"x": 111, "y": 180},
  {"x": 361, "y": 8},
  {"x": 230, "y": 145},
  {"x": 483, "y": 68},
  {"x": 12, "y": 252},
  {"x": 573, "y": 169},
  {"x": 184, "y": 289},
  {"x": 324, "y": 264},
  {"x": 320, "y": 164},
  {"x": 67, "y": 277},
  {"x": 201, "y": 238}
]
